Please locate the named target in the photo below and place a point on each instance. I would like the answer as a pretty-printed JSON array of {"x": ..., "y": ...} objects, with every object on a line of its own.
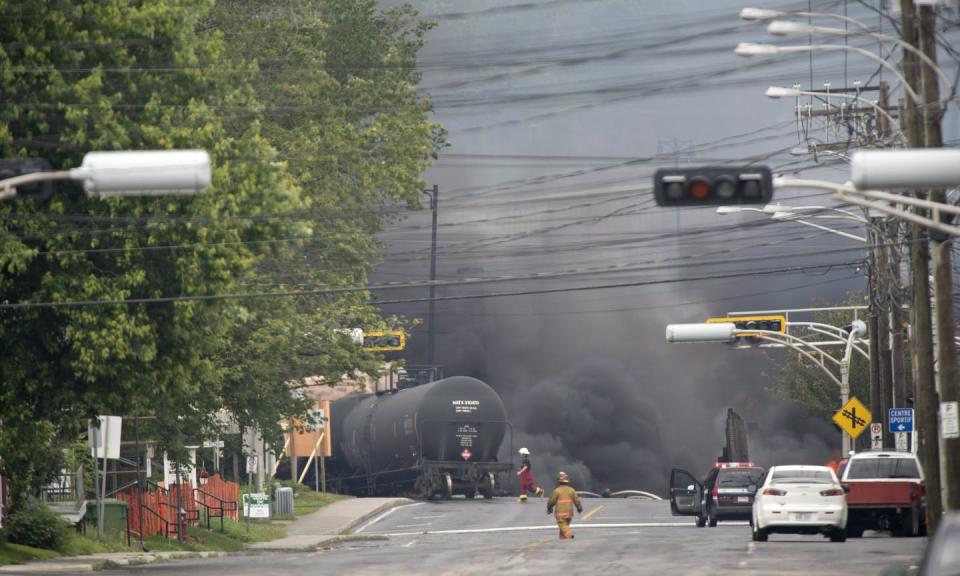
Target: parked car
[
  {"x": 725, "y": 494},
  {"x": 800, "y": 500},
  {"x": 886, "y": 491}
]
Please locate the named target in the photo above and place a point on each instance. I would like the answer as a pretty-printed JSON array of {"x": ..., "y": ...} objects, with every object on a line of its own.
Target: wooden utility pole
[
  {"x": 925, "y": 394},
  {"x": 942, "y": 281}
]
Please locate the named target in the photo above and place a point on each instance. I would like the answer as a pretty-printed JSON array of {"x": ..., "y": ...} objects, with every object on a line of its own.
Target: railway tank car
[{"x": 435, "y": 439}]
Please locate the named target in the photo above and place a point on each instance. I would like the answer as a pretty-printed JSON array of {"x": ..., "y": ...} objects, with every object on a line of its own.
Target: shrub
[{"x": 36, "y": 525}]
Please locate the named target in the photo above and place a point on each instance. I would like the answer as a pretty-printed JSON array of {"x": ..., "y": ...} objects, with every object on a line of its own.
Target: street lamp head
[
  {"x": 144, "y": 173},
  {"x": 858, "y": 328},
  {"x": 787, "y": 28},
  {"x": 752, "y": 14},
  {"x": 755, "y": 49},
  {"x": 781, "y": 92}
]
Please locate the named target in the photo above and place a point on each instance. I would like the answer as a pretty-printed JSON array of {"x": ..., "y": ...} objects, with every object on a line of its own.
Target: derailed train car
[{"x": 435, "y": 439}]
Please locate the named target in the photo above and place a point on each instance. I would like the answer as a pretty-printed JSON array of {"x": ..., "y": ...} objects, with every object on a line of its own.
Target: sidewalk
[{"x": 328, "y": 524}]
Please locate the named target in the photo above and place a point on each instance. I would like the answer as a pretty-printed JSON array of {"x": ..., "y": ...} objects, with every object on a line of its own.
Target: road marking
[
  {"x": 592, "y": 513},
  {"x": 427, "y": 517},
  {"x": 384, "y": 515},
  {"x": 554, "y": 527},
  {"x": 410, "y": 543},
  {"x": 414, "y": 525}
]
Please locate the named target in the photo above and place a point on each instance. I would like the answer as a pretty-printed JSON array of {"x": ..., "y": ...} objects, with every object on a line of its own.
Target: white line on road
[
  {"x": 414, "y": 525},
  {"x": 384, "y": 515},
  {"x": 554, "y": 527},
  {"x": 427, "y": 517}
]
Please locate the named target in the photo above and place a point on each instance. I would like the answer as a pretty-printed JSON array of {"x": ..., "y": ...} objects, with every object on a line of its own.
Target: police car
[{"x": 726, "y": 493}]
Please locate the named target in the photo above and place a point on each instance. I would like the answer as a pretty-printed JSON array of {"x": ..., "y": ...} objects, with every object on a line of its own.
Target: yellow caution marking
[{"x": 592, "y": 513}]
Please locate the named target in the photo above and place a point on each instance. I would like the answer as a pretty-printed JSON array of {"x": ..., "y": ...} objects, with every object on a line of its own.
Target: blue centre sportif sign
[{"x": 901, "y": 419}]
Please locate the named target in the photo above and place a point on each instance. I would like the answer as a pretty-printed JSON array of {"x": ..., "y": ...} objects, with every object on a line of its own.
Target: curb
[
  {"x": 75, "y": 564},
  {"x": 395, "y": 503}
]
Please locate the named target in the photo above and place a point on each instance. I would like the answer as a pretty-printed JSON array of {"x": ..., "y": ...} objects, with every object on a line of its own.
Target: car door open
[{"x": 685, "y": 493}]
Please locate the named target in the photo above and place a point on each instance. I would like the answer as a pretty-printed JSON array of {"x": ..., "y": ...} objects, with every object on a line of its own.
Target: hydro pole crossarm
[{"x": 881, "y": 202}]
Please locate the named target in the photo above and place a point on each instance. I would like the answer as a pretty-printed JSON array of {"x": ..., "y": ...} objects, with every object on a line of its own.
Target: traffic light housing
[
  {"x": 713, "y": 185},
  {"x": 765, "y": 323},
  {"x": 10, "y": 168},
  {"x": 384, "y": 341}
]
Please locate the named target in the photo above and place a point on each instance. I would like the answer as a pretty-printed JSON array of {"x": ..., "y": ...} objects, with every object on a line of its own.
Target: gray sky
[{"x": 558, "y": 112}]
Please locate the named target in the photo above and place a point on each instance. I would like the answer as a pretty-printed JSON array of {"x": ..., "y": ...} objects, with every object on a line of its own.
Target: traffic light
[
  {"x": 10, "y": 168},
  {"x": 385, "y": 341},
  {"x": 765, "y": 323},
  {"x": 712, "y": 185}
]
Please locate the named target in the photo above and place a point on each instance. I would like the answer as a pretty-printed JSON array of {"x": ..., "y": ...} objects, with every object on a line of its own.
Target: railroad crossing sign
[
  {"x": 853, "y": 418},
  {"x": 901, "y": 419}
]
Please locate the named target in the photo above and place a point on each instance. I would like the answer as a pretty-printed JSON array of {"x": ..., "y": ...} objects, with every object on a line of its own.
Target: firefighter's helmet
[
  {"x": 563, "y": 478},
  {"x": 524, "y": 452}
]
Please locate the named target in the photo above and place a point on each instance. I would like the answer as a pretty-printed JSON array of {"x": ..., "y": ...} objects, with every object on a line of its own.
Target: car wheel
[
  {"x": 838, "y": 535},
  {"x": 911, "y": 523},
  {"x": 701, "y": 521},
  {"x": 759, "y": 534}
]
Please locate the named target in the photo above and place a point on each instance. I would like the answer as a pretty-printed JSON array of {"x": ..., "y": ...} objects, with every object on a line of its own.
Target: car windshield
[
  {"x": 863, "y": 468},
  {"x": 739, "y": 477},
  {"x": 801, "y": 476}
]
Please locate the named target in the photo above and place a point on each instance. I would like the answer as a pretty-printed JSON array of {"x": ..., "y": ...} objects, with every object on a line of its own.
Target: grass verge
[{"x": 17, "y": 553}]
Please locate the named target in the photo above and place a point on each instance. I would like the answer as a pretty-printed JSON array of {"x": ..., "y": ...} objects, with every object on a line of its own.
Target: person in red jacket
[{"x": 527, "y": 482}]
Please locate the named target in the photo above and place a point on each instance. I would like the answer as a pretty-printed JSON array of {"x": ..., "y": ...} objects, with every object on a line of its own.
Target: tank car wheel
[
  {"x": 448, "y": 486},
  {"x": 489, "y": 486}
]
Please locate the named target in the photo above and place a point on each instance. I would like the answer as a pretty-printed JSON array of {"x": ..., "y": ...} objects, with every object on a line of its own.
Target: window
[
  {"x": 739, "y": 477},
  {"x": 863, "y": 468},
  {"x": 801, "y": 476}
]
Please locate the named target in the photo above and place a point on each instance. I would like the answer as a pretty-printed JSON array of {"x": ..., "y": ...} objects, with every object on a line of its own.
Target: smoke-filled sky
[{"x": 558, "y": 112}]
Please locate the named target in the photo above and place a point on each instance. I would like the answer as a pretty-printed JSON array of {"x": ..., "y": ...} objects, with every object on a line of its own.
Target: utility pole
[
  {"x": 434, "y": 194},
  {"x": 925, "y": 394},
  {"x": 948, "y": 387}
]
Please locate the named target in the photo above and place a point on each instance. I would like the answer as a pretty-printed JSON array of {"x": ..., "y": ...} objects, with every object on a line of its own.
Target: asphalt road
[{"x": 613, "y": 536}]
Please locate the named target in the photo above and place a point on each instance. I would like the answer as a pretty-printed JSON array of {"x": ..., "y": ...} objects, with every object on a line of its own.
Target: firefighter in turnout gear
[
  {"x": 527, "y": 483},
  {"x": 564, "y": 499}
]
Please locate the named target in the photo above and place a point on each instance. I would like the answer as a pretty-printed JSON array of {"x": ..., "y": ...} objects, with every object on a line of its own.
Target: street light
[
  {"x": 128, "y": 173},
  {"x": 782, "y": 92},
  {"x": 728, "y": 332},
  {"x": 755, "y": 49},
  {"x": 782, "y": 213},
  {"x": 786, "y": 28},
  {"x": 754, "y": 14}
]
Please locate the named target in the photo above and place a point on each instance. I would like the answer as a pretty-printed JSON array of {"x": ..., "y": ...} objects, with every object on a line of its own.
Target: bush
[{"x": 38, "y": 526}]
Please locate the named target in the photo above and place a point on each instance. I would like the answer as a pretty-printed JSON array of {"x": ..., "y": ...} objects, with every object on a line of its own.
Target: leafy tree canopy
[{"x": 310, "y": 113}]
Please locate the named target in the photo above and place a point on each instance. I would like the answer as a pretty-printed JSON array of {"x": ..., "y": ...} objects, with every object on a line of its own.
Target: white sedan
[{"x": 800, "y": 500}]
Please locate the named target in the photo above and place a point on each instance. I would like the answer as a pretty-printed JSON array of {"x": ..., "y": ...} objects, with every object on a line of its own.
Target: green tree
[{"x": 303, "y": 164}]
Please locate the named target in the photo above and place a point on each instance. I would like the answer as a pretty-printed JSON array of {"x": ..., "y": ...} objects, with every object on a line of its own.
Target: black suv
[{"x": 725, "y": 494}]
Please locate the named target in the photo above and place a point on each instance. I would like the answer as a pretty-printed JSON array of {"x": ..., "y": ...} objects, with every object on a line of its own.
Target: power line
[{"x": 825, "y": 268}]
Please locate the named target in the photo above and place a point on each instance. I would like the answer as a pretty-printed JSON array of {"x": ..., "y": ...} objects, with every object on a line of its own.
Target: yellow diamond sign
[{"x": 853, "y": 418}]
